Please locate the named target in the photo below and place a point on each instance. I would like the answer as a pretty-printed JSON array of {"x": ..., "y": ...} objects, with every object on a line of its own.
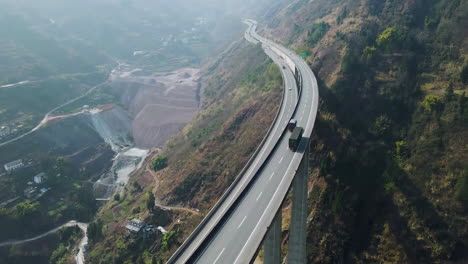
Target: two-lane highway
[{"x": 236, "y": 234}]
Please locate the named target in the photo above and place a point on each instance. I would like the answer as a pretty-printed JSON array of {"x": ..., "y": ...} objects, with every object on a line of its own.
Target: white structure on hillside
[
  {"x": 135, "y": 225},
  {"x": 40, "y": 178},
  {"x": 11, "y": 166},
  {"x": 163, "y": 231},
  {"x": 4, "y": 131}
]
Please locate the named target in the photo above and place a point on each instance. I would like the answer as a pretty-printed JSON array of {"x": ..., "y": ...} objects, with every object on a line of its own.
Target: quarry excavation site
[{"x": 160, "y": 104}]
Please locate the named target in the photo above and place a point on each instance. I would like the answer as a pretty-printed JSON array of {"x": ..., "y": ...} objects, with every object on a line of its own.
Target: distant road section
[
  {"x": 234, "y": 229},
  {"x": 82, "y": 226},
  {"x": 14, "y": 84},
  {"x": 47, "y": 115}
]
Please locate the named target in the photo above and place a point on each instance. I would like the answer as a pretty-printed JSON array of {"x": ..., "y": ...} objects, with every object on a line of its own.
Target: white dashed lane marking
[
  {"x": 216, "y": 260},
  {"x": 242, "y": 222}
]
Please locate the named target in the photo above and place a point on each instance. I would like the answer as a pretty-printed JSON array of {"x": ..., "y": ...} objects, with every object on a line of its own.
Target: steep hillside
[
  {"x": 73, "y": 152},
  {"x": 389, "y": 152},
  {"x": 241, "y": 92}
]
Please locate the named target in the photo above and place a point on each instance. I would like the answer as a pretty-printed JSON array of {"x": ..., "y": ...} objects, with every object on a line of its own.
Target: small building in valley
[
  {"x": 40, "y": 178},
  {"x": 14, "y": 165}
]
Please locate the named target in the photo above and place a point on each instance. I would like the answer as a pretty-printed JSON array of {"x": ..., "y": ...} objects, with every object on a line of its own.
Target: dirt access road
[{"x": 155, "y": 189}]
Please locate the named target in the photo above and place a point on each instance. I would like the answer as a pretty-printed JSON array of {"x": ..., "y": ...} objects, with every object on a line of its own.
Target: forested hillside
[{"x": 389, "y": 150}]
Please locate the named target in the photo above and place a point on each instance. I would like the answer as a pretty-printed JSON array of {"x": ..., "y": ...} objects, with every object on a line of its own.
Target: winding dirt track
[{"x": 175, "y": 208}]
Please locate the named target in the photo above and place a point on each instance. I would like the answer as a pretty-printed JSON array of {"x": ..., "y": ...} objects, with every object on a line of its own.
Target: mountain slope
[
  {"x": 389, "y": 150},
  {"x": 241, "y": 90}
]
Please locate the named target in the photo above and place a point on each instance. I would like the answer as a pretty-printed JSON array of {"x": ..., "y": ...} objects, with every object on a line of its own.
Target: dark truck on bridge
[
  {"x": 292, "y": 124},
  {"x": 295, "y": 138}
]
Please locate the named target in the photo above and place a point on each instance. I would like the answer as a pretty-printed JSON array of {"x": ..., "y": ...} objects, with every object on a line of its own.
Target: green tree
[
  {"x": 386, "y": 37},
  {"x": 350, "y": 63},
  {"x": 26, "y": 209},
  {"x": 150, "y": 201},
  {"x": 464, "y": 74},
  {"x": 392, "y": 38},
  {"x": 382, "y": 125},
  {"x": 401, "y": 150},
  {"x": 368, "y": 53},
  {"x": 317, "y": 32},
  {"x": 167, "y": 240},
  {"x": 448, "y": 96},
  {"x": 430, "y": 23},
  {"x": 462, "y": 109},
  {"x": 59, "y": 164},
  {"x": 147, "y": 257},
  {"x": 58, "y": 253},
  {"x": 461, "y": 189},
  {"x": 342, "y": 16},
  {"x": 159, "y": 163},
  {"x": 431, "y": 103},
  {"x": 95, "y": 231},
  {"x": 137, "y": 186}
]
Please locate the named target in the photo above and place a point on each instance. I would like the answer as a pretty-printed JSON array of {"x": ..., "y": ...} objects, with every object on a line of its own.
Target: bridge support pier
[
  {"x": 297, "y": 251},
  {"x": 272, "y": 244}
]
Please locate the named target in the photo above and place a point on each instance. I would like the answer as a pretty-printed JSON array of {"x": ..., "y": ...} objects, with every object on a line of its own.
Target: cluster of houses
[{"x": 33, "y": 191}]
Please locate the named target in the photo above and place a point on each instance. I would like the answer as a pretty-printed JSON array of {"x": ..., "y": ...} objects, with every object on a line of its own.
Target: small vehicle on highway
[
  {"x": 295, "y": 138},
  {"x": 292, "y": 123},
  {"x": 284, "y": 67}
]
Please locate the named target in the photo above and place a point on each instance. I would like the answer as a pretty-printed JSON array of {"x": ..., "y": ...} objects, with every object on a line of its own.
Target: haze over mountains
[
  {"x": 82, "y": 85},
  {"x": 157, "y": 106}
]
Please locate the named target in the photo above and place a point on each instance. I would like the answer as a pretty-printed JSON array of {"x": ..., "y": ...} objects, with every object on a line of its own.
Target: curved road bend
[
  {"x": 242, "y": 233},
  {"x": 285, "y": 113},
  {"x": 239, "y": 234}
]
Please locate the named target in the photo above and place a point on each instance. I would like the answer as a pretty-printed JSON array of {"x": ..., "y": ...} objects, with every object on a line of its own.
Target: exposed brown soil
[{"x": 161, "y": 104}]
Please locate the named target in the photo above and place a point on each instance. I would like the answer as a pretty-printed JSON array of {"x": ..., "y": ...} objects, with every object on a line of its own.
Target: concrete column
[
  {"x": 297, "y": 252},
  {"x": 272, "y": 243}
]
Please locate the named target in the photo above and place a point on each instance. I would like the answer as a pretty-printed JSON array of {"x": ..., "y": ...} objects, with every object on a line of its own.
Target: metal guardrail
[{"x": 213, "y": 210}]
